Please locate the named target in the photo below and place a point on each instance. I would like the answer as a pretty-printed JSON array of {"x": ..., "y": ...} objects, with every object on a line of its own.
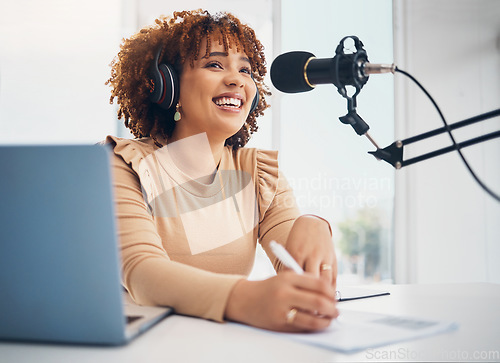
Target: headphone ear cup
[
  {"x": 255, "y": 101},
  {"x": 157, "y": 79},
  {"x": 170, "y": 90}
]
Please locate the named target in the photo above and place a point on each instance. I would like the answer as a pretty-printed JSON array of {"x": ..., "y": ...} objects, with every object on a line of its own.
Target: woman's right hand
[{"x": 267, "y": 304}]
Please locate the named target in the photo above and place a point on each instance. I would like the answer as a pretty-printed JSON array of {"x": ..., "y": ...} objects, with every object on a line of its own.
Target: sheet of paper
[{"x": 354, "y": 331}]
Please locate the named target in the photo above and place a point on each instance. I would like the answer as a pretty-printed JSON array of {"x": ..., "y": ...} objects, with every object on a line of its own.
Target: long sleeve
[{"x": 149, "y": 274}]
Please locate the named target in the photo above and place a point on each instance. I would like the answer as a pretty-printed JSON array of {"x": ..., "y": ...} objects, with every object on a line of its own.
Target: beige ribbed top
[{"x": 185, "y": 243}]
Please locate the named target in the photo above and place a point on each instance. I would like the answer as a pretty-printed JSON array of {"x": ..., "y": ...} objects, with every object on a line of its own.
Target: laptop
[{"x": 60, "y": 277}]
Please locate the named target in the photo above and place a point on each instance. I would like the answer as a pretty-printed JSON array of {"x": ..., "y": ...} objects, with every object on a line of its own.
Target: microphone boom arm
[{"x": 393, "y": 154}]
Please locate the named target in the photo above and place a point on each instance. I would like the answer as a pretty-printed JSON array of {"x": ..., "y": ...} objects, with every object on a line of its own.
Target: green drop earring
[{"x": 177, "y": 114}]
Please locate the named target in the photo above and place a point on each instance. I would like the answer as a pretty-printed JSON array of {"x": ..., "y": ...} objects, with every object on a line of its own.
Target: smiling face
[{"x": 216, "y": 94}]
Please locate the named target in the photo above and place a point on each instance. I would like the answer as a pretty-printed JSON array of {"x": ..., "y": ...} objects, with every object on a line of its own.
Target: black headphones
[{"x": 166, "y": 85}]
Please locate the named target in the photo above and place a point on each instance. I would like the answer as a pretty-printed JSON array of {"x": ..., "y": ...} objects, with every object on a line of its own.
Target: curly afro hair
[{"x": 180, "y": 38}]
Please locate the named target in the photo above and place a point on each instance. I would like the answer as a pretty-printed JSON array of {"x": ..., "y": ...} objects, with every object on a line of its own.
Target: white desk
[{"x": 476, "y": 307}]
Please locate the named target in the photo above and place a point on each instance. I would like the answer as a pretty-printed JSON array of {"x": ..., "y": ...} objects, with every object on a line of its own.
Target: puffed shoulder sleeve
[
  {"x": 277, "y": 206},
  {"x": 128, "y": 150},
  {"x": 267, "y": 178}
]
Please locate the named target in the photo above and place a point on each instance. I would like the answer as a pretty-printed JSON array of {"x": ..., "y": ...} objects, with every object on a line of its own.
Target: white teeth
[{"x": 228, "y": 102}]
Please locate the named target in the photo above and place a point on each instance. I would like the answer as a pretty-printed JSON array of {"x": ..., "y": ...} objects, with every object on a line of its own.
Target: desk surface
[{"x": 475, "y": 307}]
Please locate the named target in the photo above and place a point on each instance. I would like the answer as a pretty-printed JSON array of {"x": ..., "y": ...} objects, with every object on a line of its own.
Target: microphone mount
[{"x": 350, "y": 68}]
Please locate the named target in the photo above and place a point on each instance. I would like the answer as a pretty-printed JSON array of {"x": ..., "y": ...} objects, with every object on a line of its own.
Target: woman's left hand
[{"x": 310, "y": 244}]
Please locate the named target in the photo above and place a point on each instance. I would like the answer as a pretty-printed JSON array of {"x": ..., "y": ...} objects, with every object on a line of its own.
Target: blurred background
[{"x": 425, "y": 223}]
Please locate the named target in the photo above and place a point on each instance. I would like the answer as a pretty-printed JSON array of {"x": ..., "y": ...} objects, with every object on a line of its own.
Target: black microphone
[
  {"x": 299, "y": 71},
  {"x": 295, "y": 72}
]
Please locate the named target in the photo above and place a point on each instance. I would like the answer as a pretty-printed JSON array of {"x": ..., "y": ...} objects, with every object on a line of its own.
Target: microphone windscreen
[{"x": 288, "y": 73}]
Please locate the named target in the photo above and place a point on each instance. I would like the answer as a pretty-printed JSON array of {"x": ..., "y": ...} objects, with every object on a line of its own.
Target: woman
[{"x": 191, "y": 201}]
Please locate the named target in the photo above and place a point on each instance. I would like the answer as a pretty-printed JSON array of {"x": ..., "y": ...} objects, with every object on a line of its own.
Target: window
[{"x": 326, "y": 161}]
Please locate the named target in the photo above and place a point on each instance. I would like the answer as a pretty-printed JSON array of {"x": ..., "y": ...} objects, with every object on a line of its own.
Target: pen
[{"x": 282, "y": 254}]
